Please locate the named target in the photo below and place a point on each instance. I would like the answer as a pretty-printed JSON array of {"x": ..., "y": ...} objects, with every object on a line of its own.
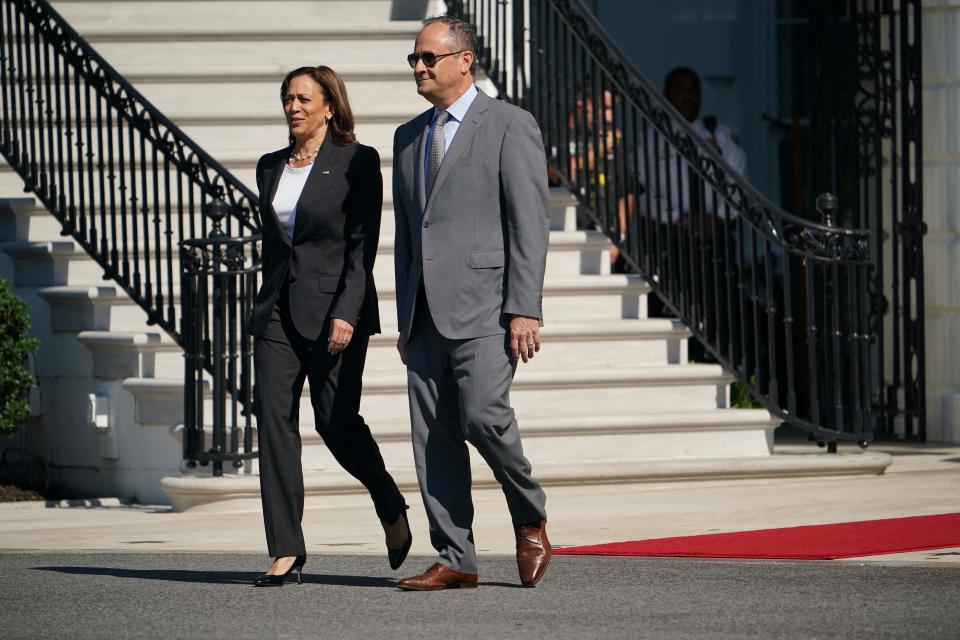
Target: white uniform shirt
[{"x": 673, "y": 197}]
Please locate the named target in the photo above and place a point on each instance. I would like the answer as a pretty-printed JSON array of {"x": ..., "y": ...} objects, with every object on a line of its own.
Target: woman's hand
[{"x": 341, "y": 332}]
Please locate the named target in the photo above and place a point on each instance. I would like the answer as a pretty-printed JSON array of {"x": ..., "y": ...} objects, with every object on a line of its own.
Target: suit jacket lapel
[
  {"x": 465, "y": 132},
  {"x": 271, "y": 182},
  {"x": 328, "y": 164}
]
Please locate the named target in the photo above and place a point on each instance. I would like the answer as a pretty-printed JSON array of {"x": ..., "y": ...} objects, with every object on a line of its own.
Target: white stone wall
[{"x": 941, "y": 194}]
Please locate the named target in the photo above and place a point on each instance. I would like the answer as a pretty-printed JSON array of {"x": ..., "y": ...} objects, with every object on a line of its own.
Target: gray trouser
[{"x": 460, "y": 392}]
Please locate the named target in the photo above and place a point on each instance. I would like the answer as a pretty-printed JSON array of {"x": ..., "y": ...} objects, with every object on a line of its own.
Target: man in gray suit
[{"x": 469, "y": 191}]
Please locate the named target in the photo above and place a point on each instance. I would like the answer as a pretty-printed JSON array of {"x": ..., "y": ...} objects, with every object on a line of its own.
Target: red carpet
[{"x": 817, "y": 542}]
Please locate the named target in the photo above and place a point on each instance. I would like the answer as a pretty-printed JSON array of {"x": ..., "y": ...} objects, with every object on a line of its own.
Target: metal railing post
[{"x": 216, "y": 210}]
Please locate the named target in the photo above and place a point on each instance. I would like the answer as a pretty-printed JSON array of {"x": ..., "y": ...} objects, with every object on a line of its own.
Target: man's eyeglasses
[{"x": 429, "y": 58}]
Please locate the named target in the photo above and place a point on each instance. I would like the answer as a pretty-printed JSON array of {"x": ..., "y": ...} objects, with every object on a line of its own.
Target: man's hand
[
  {"x": 524, "y": 337},
  {"x": 402, "y": 348},
  {"x": 341, "y": 333}
]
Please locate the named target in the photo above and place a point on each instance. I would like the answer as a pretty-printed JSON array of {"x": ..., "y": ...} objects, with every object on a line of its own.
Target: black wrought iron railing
[
  {"x": 219, "y": 284},
  {"x": 866, "y": 143},
  {"x": 125, "y": 182},
  {"x": 787, "y": 304}
]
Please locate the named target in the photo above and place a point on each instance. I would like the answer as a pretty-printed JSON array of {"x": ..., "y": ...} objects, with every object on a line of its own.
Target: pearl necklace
[{"x": 293, "y": 159}]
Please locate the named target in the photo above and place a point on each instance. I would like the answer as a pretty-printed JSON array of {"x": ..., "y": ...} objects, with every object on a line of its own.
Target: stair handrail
[
  {"x": 138, "y": 194},
  {"x": 49, "y": 110},
  {"x": 782, "y": 302}
]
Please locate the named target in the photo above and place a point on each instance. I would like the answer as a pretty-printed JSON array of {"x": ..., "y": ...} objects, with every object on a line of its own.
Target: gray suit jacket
[{"x": 480, "y": 244}]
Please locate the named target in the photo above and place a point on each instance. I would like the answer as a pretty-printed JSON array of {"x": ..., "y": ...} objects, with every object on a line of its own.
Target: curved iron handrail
[
  {"x": 763, "y": 215},
  {"x": 785, "y": 303},
  {"x": 123, "y": 179}
]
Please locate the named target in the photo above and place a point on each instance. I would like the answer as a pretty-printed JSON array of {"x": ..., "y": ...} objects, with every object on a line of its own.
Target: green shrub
[
  {"x": 740, "y": 398},
  {"x": 15, "y": 345}
]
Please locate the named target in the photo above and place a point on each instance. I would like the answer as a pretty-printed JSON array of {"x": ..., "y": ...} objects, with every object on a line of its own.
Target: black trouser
[{"x": 283, "y": 359}]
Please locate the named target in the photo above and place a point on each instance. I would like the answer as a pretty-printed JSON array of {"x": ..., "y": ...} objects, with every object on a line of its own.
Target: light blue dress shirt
[{"x": 457, "y": 112}]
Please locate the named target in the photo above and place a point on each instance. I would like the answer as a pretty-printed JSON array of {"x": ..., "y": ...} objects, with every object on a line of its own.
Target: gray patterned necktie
[{"x": 436, "y": 151}]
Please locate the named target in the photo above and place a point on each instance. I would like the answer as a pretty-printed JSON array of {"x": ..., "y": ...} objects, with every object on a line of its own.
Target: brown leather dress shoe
[
  {"x": 533, "y": 552},
  {"x": 439, "y": 577}
]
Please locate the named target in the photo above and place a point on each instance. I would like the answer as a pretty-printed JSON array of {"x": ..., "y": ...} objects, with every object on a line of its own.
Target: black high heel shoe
[
  {"x": 268, "y": 580},
  {"x": 398, "y": 555}
]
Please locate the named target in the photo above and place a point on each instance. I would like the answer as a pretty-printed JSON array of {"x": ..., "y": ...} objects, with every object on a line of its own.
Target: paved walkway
[
  {"x": 146, "y": 572},
  {"x": 209, "y": 596}
]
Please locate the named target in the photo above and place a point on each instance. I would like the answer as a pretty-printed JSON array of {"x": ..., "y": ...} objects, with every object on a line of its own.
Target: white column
[{"x": 941, "y": 210}]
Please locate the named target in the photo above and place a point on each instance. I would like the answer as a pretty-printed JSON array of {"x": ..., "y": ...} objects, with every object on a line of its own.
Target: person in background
[
  {"x": 683, "y": 89},
  {"x": 694, "y": 221}
]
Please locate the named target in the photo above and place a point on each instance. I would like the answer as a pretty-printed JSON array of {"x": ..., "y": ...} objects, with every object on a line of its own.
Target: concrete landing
[{"x": 923, "y": 481}]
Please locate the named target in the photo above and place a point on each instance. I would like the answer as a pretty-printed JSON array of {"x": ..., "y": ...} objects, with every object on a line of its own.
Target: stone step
[
  {"x": 68, "y": 271},
  {"x": 532, "y": 426},
  {"x": 193, "y": 17},
  {"x": 158, "y": 401},
  {"x": 572, "y": 449},
  {"x": 574, "y": 299},
  {"x": 571, "y": 253},
  {"x": 545, "y": 394},
  {"x": 591, "y": 346},
  {"x": 242, "y": 141},
  {"x": 681, "y": 431},
  {"x": 582, "y": 346},
  {"x": 242, "y": 491},
  {"x": 258, "y": 105},
  {"x": 232, "y": 139},
  {"x": 377, "y": 34},
  {"x": 369, "y": 99},
  {"x": 640, "y": 390},
  {"x": 65, "y": 262},
  {"x": 93, "y": 308},
  {"x": 24, "y": 218},
  {"x": 50, "y": 263},
  {"x": 118, "y": 354},
  {"x": 571, "y": 441},
  {"x": 370, "y": 47},
  {"x": 244, "y": 169}
]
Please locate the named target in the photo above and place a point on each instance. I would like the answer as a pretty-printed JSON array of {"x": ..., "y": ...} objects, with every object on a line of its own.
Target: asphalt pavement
[{"x": 193, "y": 595}]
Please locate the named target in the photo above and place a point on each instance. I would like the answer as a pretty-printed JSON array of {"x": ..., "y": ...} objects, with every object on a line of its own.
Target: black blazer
[{"x": 328, "y": 264}]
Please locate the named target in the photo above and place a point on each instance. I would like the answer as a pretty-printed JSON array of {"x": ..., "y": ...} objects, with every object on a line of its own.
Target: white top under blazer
[{"x": 288, "y": 193}]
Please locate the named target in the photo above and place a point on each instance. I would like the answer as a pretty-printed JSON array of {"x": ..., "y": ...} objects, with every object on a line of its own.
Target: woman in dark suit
[{"x": 320, "y": 200}]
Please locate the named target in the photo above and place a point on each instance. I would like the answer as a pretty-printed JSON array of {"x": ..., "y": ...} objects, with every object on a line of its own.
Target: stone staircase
[{"x": 611, "y": 398}]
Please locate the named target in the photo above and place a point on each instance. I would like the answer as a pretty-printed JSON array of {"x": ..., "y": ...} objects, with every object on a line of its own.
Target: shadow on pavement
[{"x": 219, "y": 577}]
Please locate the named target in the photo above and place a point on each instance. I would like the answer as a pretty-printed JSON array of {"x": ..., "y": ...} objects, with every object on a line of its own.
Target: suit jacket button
[{"x": 426, "y": 224}]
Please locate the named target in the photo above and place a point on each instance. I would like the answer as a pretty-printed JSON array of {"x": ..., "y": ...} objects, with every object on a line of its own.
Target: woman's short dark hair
[{"x": 335, "y": 93}]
